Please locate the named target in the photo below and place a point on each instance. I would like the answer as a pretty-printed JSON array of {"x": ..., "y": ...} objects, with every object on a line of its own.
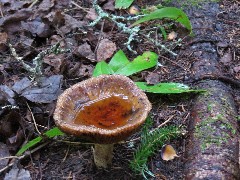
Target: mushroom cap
[{"x": 97, "y": 88}]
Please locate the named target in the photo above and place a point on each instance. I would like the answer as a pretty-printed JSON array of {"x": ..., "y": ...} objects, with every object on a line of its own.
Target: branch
[
  {"x": 133, "y": 32},
  {"x": 36, "y": 70}
]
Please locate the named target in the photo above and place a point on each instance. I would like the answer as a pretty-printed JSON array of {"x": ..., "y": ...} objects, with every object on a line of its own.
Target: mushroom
[{"x": 104, "y": 110}]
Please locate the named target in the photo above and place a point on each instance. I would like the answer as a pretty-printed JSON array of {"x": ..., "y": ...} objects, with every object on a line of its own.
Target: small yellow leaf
[
  {"x": 168, "y": 153},
  {"x": 134, "y": 9}
]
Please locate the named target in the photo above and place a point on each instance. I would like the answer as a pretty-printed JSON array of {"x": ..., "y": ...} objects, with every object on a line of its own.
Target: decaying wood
[{"x": 212, "y": 150}]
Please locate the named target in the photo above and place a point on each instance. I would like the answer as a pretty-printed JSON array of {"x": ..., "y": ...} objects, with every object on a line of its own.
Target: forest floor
[{"x": 212, "y": 53}]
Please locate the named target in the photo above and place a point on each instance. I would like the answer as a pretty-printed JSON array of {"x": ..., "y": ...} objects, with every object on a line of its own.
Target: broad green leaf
[
  {"x": 119, "y": 64},
  {"x": 102, "y": 68},
  {"x": 119, "y": 60},
  {"x": 165, "y": 88},
  {"x": 168, "y": 12},
  {"x": 50, "y": 134},
  {"x": 145, "y": 61},
  {"x": 123, "y": 4}
]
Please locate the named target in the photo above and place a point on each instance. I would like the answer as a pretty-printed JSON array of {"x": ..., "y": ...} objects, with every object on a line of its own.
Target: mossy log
[{"x": 212, "y": 150}]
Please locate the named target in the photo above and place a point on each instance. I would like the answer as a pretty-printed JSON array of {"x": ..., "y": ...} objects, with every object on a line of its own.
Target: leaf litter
[{"x": 32, "y": 28}]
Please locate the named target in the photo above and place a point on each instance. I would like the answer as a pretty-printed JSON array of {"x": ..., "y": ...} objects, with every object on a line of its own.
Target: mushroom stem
[{"x": 103, "y": 154}]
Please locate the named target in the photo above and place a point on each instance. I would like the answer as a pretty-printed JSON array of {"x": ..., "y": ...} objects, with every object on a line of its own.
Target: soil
[{"x": 210, "y": 58}]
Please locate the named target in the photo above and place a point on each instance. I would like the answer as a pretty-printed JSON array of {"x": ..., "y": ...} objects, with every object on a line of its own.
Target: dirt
[{"x": 211, "y": 56}]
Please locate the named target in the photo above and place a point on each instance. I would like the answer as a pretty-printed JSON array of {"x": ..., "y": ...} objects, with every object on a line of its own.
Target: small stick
[
  {"x": 24, "y": 156},
  {"x": 65, "y": 157},
  {"x": 165, "y": 122},
  {"x": 1, "y": 10},
  {"x": 11, "y": 157},
  {"x": 8, "y": 107},
  {"x": 37, "y": 124},
  {"x": 33, "y": 3},
  {"x": 34, "y": 121},
  {"x": 159, "y": 45},
  {"x": 82, "y": 8},
  {"x": 172, "y": 62}
]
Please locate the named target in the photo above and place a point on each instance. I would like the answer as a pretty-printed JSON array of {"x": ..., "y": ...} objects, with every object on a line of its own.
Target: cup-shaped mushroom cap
[{"x": 104, "y": 109}]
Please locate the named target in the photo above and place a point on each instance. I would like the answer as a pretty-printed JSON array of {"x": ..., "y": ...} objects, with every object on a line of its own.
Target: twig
[
  {"x": 165, "y": 122},
  {"x": 37, "y": 124},
  {"x": 75, "y": 4},
  {"x": 34, "y": 121},
  {"x": 33, "y": 3},
  {"x": 133, "y": 32},
  {"x": 20, "y": 59},
  {"x": 175, "y": 63},
  {"x": 159, "y": 44},
  {"x": 11, "y": 157},
  {"x": 36, "y": 70},
  {"x": 76, "y": 143},
  {"x": 1, "y": 10},
  {"x": 8, "y": 107},
  {"x": 99, "y": 38},
  {"x": 65, "y": 157},
  {"x": 28, "y": 153}
]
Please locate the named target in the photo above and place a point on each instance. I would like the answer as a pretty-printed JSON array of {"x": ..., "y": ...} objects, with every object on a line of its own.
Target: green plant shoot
[
  {"x": 119, "y": 64},
  {"x": 49, "y": 134}
]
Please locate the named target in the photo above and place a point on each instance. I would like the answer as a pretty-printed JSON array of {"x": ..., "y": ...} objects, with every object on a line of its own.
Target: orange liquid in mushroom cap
[{"x": 107, "y": 113}]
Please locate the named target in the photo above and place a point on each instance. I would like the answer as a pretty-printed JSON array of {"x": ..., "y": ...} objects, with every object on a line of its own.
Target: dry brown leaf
[
  {"x": 105, "y": 50},
  {"x": 153, "y": 78},
  {"x": 4, "y": 152},
  {"x": 85, "y": 50},
  {"x": 47, "y": 91},
  {"x": 54, "y": 60},
  {"x": 109, "y": 5},
  {"x": 226, "y": 58},
  {"x": 37, "y": 27},
  {"x": 168, "y": 153},
  {"x": 16, "y": 173},
  {"x": 236, "y": 69},
  {"x": 172, "y": 35},
  {"x": 91, "y": 15}
]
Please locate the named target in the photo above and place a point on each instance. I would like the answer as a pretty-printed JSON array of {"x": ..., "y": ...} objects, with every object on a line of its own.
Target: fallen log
[{"x": 212, "y": 150}]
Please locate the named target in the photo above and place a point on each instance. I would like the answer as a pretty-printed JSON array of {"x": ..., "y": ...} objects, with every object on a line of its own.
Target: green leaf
[
  {"x": 168, "y": 12},
  {"x": 163, "y": 32},
  {"x": 119, "y": 64},
  {"x": 165, "y": 88},
  {"x": 102, "y": 68},
  {"x": 50, "y": 134},
  {"x": 123, "y": 4},
  {"x": 118, "y": 61},
  {"x": 29, "y": 145},
  {"x": 145, "y": 61},
  {"x": 53, "y": 132}
]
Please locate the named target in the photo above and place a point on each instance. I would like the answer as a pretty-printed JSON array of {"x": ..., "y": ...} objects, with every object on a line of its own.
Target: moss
[
  {"x": 206, "y": 131},
  {"x": 238, "y": 118},
  {"x": 210, "y": 107}
]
